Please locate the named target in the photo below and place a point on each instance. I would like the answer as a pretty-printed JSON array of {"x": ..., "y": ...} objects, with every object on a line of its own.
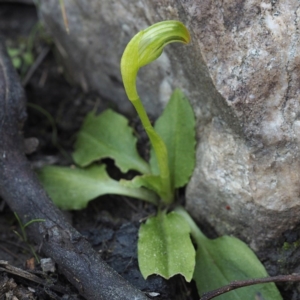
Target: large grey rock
[{"x": 241, "y": 73}]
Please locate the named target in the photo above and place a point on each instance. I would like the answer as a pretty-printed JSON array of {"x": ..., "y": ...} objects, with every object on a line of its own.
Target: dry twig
[{"x": 242, "y": 283}]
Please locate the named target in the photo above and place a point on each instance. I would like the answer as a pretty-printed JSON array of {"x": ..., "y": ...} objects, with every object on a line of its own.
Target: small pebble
[
  {"x": 48, "y": 265},
  {"x": 153, "y": 294}
]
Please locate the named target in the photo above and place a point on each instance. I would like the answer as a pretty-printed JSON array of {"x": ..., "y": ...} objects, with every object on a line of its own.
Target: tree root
[{"x": 21, "y": 190}]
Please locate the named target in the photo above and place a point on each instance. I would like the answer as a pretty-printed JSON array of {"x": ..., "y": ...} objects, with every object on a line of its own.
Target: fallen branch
[
  {"x": 6, "y": 267},
  {"x": 242, "y": 283},
  {"x": 21, "y": 190}
]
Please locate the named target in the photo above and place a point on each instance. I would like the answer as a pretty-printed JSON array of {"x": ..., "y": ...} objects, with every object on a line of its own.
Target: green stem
[
  {"x": 160, "y": 152},
  {"x": 138, "y": 193},
  {"x": 196, "y": 233}
]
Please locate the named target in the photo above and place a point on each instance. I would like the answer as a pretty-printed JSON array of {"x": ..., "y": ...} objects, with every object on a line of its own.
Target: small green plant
[
  {"x": 23, "y": 235},
  {"x": 22, "y": 54},
  {"x": 164, "y": 246},
  {"x": 22, "y": 57}
]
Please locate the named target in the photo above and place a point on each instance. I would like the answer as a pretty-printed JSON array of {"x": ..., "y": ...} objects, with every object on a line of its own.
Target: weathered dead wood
[
  {"x": 20, "y": 188},
  {"x": 6, "y": 267}
]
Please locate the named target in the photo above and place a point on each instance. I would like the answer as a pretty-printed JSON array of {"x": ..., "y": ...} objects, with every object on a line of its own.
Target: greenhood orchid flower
[{"x": 145, "y": 47}]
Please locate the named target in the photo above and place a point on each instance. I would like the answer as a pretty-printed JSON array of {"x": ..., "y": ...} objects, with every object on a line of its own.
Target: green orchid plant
[
  {"x": 144, "y": 48},
  {"x": 165, "y": 246}
]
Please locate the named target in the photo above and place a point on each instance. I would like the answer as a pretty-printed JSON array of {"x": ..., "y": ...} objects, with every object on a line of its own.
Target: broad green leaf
[
  {"x": 73, "y": 188},
  {"x": 176, "y": 126},
  {"x": 220, "y": 261},
  {"x": 165, "y": 247},
  {"x": 108, "y": 136},
  {"x": 225, "y": 259},
  {"x": 151, "y": 182}
]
